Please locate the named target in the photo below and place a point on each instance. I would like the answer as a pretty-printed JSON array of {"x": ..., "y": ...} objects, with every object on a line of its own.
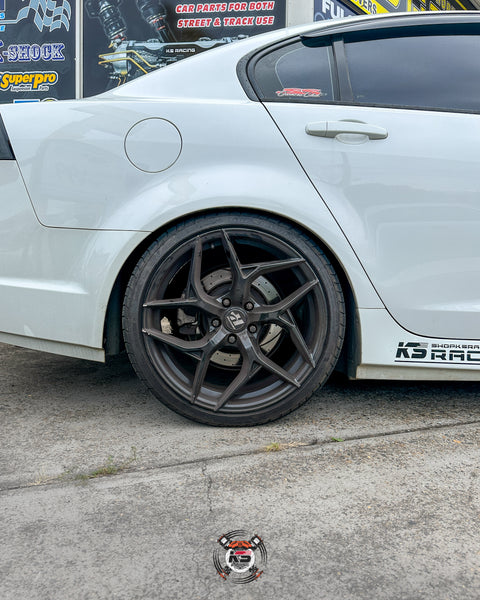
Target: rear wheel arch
[{"x": 113, "y": 338}]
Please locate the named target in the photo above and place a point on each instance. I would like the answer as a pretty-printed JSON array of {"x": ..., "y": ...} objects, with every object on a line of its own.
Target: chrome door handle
[{"x": 331, "y": 129}]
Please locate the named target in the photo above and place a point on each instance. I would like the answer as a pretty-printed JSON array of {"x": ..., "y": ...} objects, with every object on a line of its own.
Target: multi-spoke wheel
[{"x": 233, "y": 319}]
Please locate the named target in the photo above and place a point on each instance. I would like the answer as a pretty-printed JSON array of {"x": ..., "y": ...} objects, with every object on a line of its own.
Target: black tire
[{"x": 233, "y": 318}]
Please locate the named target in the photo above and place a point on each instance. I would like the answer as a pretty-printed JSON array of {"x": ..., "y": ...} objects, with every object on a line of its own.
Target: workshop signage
[
  {"x": 37, "y": 50},
  {"x": 126, "y": 39}
]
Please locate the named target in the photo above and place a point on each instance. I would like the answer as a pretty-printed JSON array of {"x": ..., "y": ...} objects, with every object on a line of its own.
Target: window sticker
[{"x": 300, "y": 93}]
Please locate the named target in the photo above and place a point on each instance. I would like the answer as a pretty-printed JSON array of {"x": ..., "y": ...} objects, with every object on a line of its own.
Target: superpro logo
[
  {"x": 32, "y": 52},
  {"x": 448, "y": 353},
  {"x": 27, "y": 82}
]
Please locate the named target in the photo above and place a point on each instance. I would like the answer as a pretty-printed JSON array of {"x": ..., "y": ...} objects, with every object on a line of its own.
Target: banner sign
[
  {"x": 384, "y": 6},
  {"x": 37, "y": 50},
  {"x": 124, "y": 39},
  {"x": 331, "y": 9}
]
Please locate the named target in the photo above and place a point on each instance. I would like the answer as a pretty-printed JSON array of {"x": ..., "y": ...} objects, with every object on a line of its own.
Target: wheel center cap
[{"x": 235, "y": 319}]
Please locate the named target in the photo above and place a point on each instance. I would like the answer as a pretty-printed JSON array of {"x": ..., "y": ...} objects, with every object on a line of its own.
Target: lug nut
[
  {"x": 249, "y": 306},
  {"x": 216, "y": 322},
  {"x": 232, "y": 339},
  {"x": 226, "y": 302},
  {"x": 252, "y": 328}
]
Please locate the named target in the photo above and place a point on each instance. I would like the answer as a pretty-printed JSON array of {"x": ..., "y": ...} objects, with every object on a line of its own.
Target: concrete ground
[{"x": 370, "y": 491}]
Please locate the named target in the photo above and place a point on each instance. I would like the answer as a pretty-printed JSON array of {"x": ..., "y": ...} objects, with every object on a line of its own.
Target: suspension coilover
[{"x": 110, "y": 17}]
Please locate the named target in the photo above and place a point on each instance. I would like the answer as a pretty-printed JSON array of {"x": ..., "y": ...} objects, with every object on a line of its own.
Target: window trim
[
  {"x": 249, "y": 63},
  {"x": 6, "y": 151},
  {"x": 343, "y": 74},
  {"x": 367, "y": 29},
  {"x": 369, "y": 24}
]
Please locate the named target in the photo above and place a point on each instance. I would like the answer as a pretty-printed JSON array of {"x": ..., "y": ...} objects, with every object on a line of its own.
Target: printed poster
[
  {"x": 37, "y": 50},
  {"x": 124, "y": 39}
]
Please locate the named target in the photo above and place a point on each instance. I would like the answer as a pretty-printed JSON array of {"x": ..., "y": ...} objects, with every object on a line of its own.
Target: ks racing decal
[{"x": 447, "y": 353}]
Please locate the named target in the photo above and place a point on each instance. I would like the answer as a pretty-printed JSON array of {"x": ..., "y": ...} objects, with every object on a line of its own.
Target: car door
[{"x": 386, "y": 125}]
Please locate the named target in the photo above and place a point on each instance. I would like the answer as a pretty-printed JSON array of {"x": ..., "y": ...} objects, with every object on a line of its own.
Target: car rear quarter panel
[
  {"x": 54, "y": 283},
  {"x": 88, "y": 207},
  {"x": 77, "y": 172},
  {"x": 73, "y": 160}
]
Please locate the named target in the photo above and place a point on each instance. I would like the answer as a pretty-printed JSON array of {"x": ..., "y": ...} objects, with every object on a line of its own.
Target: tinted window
[
  {"x": 424, "y": 72},
  {"x": 295, "y": 73}
]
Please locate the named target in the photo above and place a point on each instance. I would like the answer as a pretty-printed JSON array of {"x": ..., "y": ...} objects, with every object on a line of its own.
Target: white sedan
[{"x": 249, "y": 219}]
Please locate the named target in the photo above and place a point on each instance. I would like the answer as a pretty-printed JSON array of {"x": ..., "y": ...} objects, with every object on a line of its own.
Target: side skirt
[
  {"x": 53, "y": 347},
  {"x": 381, "y": 349}
]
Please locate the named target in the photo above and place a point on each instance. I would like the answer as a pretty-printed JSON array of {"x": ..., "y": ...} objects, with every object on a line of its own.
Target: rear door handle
[{"x": 331, "y": 129}]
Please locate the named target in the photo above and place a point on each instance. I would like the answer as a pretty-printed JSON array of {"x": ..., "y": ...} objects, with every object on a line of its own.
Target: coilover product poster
[
  {"x": 124, "y": 39},
  {"x": 37, "y": 50}
]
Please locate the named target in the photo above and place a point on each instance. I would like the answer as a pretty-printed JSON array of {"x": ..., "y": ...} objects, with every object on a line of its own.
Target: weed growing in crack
[{"x": 109, "y": 467}]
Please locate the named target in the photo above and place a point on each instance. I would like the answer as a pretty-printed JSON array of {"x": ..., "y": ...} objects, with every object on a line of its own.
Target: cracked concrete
[
  {"x": 392, "y": 511},
  {"x": 208, "y": 481}
]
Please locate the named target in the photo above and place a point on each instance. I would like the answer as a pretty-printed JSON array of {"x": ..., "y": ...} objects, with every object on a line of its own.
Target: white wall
[{"x": 299, "y": 11}]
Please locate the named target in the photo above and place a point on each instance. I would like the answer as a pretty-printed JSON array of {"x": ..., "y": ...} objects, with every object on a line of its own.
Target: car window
[
  {"x": 295, "y": 73},
  {"x": 434, "y": 71}
]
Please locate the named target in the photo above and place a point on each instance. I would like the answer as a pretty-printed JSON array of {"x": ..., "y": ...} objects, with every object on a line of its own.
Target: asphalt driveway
[{"x": 371, "y": 490}]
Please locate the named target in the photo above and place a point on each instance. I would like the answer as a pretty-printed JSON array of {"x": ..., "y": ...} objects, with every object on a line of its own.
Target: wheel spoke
[
  {"x": 287, "y": 321},
  {"x": 242, "y": 378},
  {"x": 178, "y": 343},
  {"x": 257, "y": 269},
  {"x": 294, "y": 297},
  {"x": 244, "y": 275},
  {"x": 200, "y": 372},
  {"x": 201, "y": 350},
  {"x": 173, "y": 303},
  {"x": 195, "y": 274},
  {"x": 271, "y": 366},
  {"x": 269, "y": 312},
  {"x": 195, "y": 284},
  {"x": 195, "y": 295},
  {"x": 252, "y": 356},
  {"x": 233, "y": 261}
]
